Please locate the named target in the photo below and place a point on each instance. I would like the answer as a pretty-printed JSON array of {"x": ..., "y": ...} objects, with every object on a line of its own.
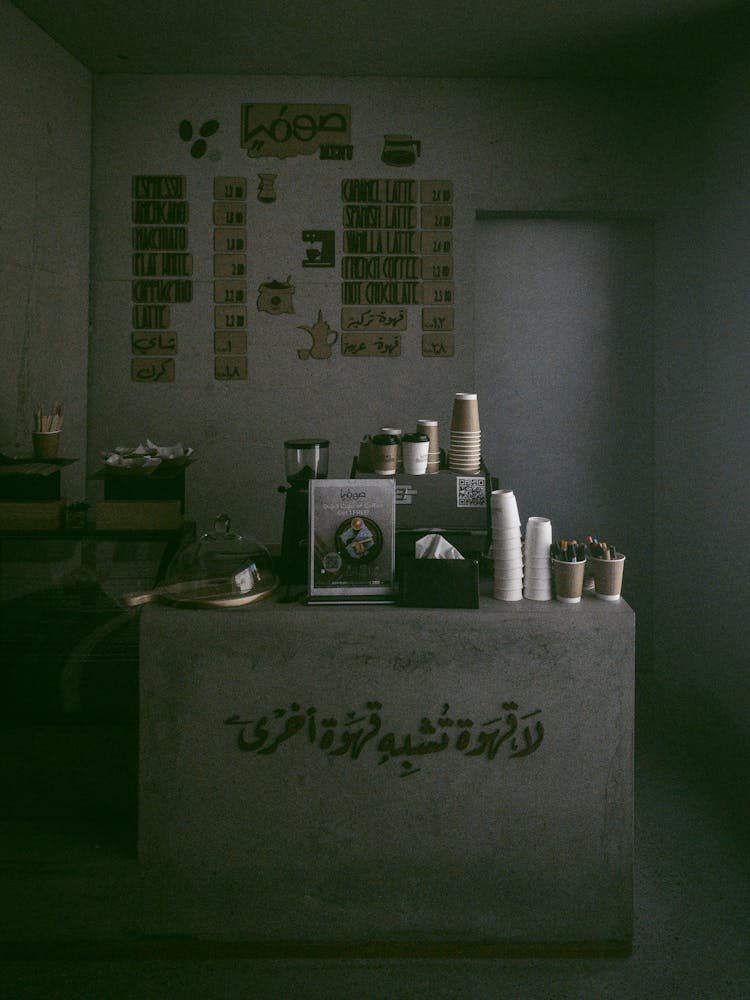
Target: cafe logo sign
[{"x": 283, "y": 130}]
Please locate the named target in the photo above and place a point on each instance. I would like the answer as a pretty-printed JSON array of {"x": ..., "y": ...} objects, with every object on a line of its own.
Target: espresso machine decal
[{"x": 324, "y": 254}]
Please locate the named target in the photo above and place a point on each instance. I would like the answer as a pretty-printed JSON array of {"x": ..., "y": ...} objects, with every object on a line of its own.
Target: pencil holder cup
[
  {"x": 568, "y": 578},
  {"x": 46, "y": 443},
  {"x": 608, "y": 577}
]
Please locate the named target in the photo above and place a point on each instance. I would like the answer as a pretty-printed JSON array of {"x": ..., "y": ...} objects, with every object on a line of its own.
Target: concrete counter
[{"x": 394, "y": 774}]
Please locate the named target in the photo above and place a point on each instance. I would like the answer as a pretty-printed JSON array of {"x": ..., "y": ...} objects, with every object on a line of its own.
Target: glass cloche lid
[{"x": 221, "y": 569}]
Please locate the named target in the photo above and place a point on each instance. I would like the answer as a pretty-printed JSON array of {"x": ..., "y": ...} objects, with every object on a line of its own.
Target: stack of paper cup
[
  {"x": 506, "y": 546},
  {"x": 465, "y": 453},
  {"x": 537, "y": 563},
  {"x": 430, "y": 428}
]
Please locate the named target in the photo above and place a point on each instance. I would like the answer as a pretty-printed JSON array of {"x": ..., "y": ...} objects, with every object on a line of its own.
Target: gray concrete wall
[
  {"x": 504, "y": 145},
  {"x": 45, "y": 111},
  {"x": 702, "y": 463}
]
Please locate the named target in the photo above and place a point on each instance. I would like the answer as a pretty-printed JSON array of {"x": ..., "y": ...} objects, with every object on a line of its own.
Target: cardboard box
[
  {"x": 33, "y": 515},
  {"x": 138, "y": 515}
]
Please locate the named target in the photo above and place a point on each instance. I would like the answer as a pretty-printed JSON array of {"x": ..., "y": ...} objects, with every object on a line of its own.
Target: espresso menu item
[{"x": 161, "y": 268}]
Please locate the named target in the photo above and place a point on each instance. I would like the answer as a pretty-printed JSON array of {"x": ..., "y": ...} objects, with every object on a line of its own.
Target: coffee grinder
[{"x": 304, "y": 459}]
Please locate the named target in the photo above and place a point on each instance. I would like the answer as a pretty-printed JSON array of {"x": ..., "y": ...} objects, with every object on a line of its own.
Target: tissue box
[{"x": 438, "y": 583}]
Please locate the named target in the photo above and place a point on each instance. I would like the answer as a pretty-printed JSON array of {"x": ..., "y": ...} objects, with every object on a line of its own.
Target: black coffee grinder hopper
[{"x": 304, "y": 459}]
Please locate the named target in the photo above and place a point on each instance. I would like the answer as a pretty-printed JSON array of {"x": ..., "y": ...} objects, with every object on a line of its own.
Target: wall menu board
[
  {"x": 397, "y": 252},
  {"x": 396, "y": 257},
  {"x": 161, "y": 268}
]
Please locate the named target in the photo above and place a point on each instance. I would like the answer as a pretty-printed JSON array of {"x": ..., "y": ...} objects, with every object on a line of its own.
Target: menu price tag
[
  {"x": 436, "y": 217},
  {"x": 437, "y": 319},
  {"x": 230, "y": 265},
  {"x": 436, "y": 192},
  {"x": 230, "y": 188},
  {"x": 230, "y": 342},
  {"x": 230, "y": 317},
  {"x": 233, "y": 213},
  {"x": 438, "y": 345},
  {"x": 438, "y": 267},
  {"x": 230, "y": 240},
  {"x": 437, "y": 293},
  {"x": 434, "y": 241},
  {"x": 230, "y": 368},
  {"x": 230, "y": 291}
]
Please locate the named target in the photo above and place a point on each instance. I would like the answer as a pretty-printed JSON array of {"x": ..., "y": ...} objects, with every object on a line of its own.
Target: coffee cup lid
[{"x": 415, "y": 438}]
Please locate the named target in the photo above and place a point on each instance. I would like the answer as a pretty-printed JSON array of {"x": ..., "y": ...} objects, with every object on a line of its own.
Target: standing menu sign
[{"x": 352, "y": 540}]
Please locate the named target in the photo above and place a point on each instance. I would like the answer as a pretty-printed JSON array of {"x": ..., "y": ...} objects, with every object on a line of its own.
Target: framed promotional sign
[{"x": 352, "y": 540}]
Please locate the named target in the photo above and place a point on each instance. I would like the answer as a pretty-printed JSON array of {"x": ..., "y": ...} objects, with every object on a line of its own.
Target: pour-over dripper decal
[{"x": 267, "y": 188}]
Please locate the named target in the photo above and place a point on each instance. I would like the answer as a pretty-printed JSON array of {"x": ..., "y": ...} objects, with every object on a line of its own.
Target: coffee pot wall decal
[{"x": 323, "y": 339}]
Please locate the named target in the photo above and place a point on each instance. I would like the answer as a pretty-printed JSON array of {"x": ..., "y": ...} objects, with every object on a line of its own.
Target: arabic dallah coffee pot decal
[{"x": 323, "y": 339}]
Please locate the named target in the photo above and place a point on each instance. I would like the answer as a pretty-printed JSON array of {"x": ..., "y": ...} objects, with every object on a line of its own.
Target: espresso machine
[{"x": 304, "y": 459}]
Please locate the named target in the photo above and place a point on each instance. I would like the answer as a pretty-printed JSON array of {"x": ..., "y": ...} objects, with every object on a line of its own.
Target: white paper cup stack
[
  {"x": 465, "y": 452},
  {"x": 537, "y": 562},
  {"x": 507, "y": 553}
]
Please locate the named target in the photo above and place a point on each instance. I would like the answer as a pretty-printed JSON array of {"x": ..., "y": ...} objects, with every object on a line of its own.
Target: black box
[
  {"x": 454, "y": 505},
  {"x": 438, "y": 583},
  {"x": 29, "y": 481},
  {"x": 166, "y": 482}
]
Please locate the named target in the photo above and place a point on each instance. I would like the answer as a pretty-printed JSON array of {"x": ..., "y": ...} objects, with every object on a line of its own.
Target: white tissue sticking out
[{"x": 435, "y": 547}]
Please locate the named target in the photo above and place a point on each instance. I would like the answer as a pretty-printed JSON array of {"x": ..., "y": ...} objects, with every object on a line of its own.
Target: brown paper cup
[
  {"x": 608, "y": 577},
  {"x": 46, "y": 443},
  {"x": 465, "y": 412},
  {"x": 568, "y": 580},
  {"x": 430, "y": 428},
  {"x": 384, "y": 458},
  {"x": 364, "y": 459}
]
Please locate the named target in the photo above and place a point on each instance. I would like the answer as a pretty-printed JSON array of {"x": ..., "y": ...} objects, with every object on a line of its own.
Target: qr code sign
[{"x": 470, "y": 491}]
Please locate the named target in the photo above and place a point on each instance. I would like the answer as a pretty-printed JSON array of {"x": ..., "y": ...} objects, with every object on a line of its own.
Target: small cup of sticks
[{"x": 46, "y": 434}]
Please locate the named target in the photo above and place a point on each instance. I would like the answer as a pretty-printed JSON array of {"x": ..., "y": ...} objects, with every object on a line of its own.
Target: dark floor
[{"x": 68, "y": 876}]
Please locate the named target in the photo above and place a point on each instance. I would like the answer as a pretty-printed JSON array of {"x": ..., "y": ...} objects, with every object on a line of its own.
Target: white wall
[{"x": 45, "y": 115}]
